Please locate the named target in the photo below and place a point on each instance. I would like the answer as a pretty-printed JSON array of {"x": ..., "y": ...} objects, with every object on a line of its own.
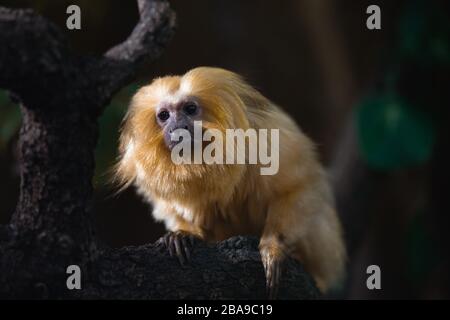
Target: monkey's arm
[{"x": 180, "y": 238}]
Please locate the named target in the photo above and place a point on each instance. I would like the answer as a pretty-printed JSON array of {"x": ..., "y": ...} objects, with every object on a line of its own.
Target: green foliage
[
  {"x": 393, "y": 134},
  {"x": 9, "y": 119},
  {"x": 109, "y": 126},
  {"x": 424, "y": 33}
]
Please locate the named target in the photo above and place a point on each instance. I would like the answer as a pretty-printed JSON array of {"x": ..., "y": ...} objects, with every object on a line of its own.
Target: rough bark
[
  {"x": 61, "y": 96},
  {"x": 231, "y": 269}
]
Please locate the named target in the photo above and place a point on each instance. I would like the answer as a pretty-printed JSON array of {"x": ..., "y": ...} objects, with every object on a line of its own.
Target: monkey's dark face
[{"x": 171, "y": 116}]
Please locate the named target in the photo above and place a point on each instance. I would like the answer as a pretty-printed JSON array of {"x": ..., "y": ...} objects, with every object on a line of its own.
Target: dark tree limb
[
  {"x": 231, "y": 269},
  {"x": 148, "y": 37},
  {"x": 146, "y": 42},
  {"x": 61, "y": 97}
]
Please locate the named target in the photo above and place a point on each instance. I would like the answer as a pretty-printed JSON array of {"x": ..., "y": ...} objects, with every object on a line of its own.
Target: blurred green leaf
[
  {"x": 424, "y": 33},
  {"x": 109, "y": 126},
  {"x": 393, "y": 134},
  {"x": 9, "y": 119}
]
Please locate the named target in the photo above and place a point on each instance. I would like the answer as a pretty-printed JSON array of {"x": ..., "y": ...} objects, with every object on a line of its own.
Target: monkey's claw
[
  {"x": 273, "y": 267},
  {"x": 179, "y": 244}
]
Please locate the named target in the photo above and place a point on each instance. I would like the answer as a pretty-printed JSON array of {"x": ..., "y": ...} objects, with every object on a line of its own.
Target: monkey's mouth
[
  {"x": 190, "y": 147},
  {"x": 172, "y": 144},
  {"x": 183, "y": 144}
]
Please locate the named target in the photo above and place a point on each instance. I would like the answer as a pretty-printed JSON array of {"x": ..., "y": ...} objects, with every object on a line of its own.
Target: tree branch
[
  {"x": 146, "y": 43},
  {"x": 154, "y": 29},
  {"x": 231, "y": 269}
]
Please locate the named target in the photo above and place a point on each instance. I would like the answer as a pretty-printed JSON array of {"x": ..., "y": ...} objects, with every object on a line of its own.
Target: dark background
[{"x": 319, "y": 62}]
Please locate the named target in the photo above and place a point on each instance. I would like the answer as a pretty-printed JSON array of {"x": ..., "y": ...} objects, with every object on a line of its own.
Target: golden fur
[{"x": 292, "y": 211}]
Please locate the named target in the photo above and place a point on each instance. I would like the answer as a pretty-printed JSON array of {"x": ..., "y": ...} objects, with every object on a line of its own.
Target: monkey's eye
[
  {"x": 190, "y": 109},
  {"x": 163, "y": 115}
]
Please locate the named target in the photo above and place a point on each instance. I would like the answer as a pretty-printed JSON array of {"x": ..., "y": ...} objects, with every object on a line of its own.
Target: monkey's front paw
[
  {"x": 179, "y": 243},
  {"x": 272, "y": 260}
]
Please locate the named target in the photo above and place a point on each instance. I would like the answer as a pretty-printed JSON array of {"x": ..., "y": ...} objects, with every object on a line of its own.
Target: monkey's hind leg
[
  {"x": 285, "y": 223},
  {"x": 272, "y": 257},
  {"x": 322, "y": 249}
]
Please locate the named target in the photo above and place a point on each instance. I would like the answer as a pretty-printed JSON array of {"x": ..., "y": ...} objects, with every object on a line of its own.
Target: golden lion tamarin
[{"x": 291, "y": 211}]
